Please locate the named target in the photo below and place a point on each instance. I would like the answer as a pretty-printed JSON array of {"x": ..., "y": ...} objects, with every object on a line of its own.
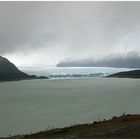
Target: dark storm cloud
[
  {"x": 69, "y": 29},
  {"x": 130, "y": 60}
]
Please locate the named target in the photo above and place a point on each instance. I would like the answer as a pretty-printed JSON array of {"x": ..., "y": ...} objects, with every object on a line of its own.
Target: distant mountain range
[
  {"x": 9, "y": 72},
  {"x": 128, "y": 61}
]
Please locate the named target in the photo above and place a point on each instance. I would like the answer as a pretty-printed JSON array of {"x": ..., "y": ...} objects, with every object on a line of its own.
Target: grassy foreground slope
[{"x": 126, "y": 126}]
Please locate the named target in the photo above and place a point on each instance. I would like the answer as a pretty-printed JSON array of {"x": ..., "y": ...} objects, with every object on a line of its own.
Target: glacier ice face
[{"x": 71, "y": 72}]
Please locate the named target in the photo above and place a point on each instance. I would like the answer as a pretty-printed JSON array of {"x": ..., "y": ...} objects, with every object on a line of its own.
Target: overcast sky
[{"x": 44, "y": 33}]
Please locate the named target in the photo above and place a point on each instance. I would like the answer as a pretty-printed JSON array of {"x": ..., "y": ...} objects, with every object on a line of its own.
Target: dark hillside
[{"x": 9, "y": 72}]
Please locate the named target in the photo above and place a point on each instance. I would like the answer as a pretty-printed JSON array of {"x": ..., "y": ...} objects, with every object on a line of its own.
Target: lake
[{"x": 34, "y": 105}]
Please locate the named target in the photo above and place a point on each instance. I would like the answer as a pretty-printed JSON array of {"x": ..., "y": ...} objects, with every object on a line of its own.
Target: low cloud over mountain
[
  {"x": 46, "y": 32},
  {"x": 130, "y": 60}
]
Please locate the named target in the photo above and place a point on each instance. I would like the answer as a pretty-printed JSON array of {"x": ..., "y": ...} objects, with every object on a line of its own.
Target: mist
[{"x": 45, "y": 33}]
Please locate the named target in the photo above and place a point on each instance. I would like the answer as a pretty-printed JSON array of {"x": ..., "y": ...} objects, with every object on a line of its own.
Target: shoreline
[{"x": 125, "y": 126}]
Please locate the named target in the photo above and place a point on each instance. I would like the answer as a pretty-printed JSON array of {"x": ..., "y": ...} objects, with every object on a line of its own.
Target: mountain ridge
[
  {"x": 127, "y": 74},
  {"x": 9, "y": 72}
]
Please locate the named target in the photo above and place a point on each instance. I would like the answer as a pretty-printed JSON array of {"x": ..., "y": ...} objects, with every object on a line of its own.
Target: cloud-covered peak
[
  {"x": 48, "y": 32},
  {"x": 130, "y": 60}
]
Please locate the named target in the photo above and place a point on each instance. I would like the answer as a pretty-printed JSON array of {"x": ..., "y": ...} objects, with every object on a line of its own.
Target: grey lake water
[{"x": 34, "y": 105}]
